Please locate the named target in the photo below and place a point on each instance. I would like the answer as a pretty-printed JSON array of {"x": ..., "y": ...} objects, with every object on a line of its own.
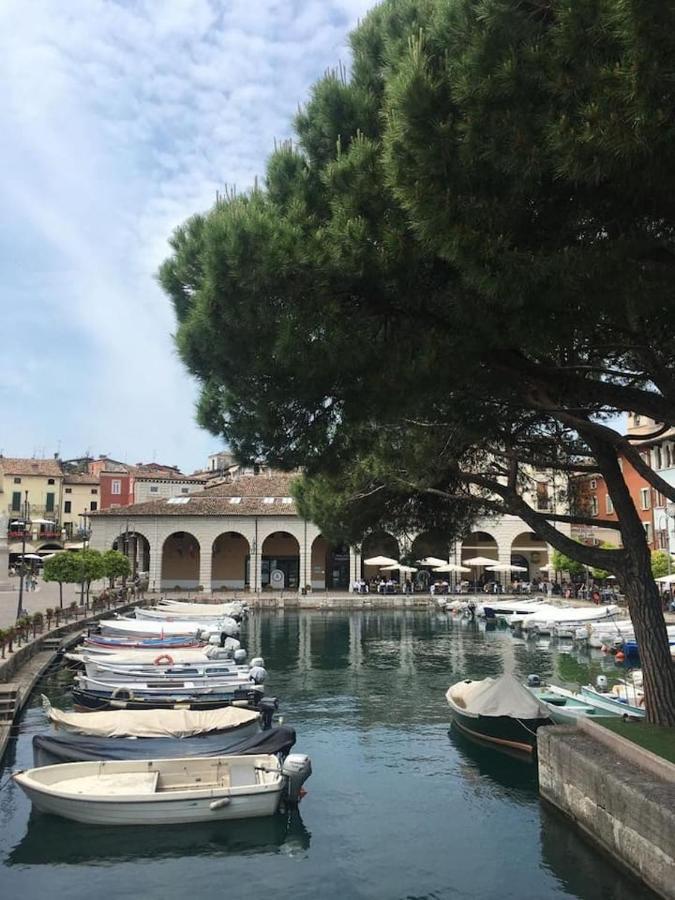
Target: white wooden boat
[
  {"x": 544, "y": 620},
  {"x": 149, "y": 628},
  {"x": 175, "y": 687},
  {"x": 209, "y": 671},
  {"x": 198, "y": 610},
  {"x": 124, "y": 656},
  {"x": 162, "y": 614},
  {"x": 165, "y": 791},
  {"x": 626, "y": 700},
  {"x": 566, "y": 707}
]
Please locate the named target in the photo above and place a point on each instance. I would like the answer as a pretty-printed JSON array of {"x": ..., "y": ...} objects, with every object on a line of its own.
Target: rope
[{"x": 7, "y": 780}]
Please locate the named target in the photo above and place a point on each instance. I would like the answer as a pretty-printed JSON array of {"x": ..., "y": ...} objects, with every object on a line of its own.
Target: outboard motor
[
  {"x": 533, "y": 681},
  {"x": 601, "y": 682},
  {"x": 229, "y": 627},
  {"x": 296, "y": 769},
  {"x": 258, "y": 661},
  {"x": 239, "y": 657},
  {"x": 267, "y": 707},
  {"x": 257, "y": 674}
]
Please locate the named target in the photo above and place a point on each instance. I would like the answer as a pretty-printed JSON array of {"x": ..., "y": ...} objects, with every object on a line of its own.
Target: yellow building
[
  {"x": 81, "y": 495},
  {"x": 39, "y": 483}
]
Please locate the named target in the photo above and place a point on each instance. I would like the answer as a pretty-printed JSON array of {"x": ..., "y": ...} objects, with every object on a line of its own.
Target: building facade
[
  {"x": 247, "y": 534},
  {"x": 31, "y": 497}
]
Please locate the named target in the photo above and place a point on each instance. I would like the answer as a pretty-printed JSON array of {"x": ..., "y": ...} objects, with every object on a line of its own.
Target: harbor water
[{"x": 399, "y": 805}]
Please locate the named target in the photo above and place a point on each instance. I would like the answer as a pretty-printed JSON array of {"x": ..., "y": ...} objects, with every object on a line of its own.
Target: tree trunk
[
  {"x": 646, "y": 612},
  {"x": 61, "y": 594}
]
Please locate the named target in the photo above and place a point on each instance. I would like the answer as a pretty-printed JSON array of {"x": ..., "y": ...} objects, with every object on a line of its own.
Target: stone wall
[{"x": 624, "y": 806}]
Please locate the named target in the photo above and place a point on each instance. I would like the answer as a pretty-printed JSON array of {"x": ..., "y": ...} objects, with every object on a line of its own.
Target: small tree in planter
[
  {"x": 49, "y": 614},
  {"x": 61, "y": 568},
  {"x": 72, "y": 609},
  {"x": 3, "y": 642},
  {"x": 10, "y": 636},
  {"x": 38, "y": 623}
]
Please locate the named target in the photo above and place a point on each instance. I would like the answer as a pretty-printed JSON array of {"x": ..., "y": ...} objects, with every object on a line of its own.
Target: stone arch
[
  {"x": 479, "y": 543},
  {"x": 531, "y": 552},
  {"x": 378, "y": 543},
  {"x": 136, "y": 546},
  {"x": 329, "y": 565},
  {"x": 180, "y": 561},
  {"x": 230, "y": 561},
  {"x": 280, "y": 553}
]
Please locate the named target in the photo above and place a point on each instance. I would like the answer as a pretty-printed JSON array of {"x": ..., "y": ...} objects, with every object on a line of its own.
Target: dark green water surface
[{"x": 397, "y": 807}]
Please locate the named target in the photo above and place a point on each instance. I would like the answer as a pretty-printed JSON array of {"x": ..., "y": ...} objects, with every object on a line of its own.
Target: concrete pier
[{"x": 620, "y": 795}]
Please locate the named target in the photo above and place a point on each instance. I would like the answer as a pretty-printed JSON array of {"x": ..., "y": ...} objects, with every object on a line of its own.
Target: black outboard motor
[
  {"x": 533, "y": 681},
  {"x": 267, "y": 707}
]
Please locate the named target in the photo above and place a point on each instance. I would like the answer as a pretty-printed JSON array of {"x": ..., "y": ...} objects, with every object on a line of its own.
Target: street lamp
[{"x": 26, "y": 522}]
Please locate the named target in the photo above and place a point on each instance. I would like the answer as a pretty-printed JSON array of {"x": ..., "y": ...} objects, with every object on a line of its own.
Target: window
[
  {"x": 17, "y": 481},
  {"x": 594, "y": 506},
  {"x": 609, "y": 506},
  {"x": 658, "y": 458},
  {"x": 93, "y": 506},
  {"x": 154, "y": 489},
  {"x": 116, "y": 487},
  {"x": 594, "y": 484},
  {"x": 648, "y": 531},
  {"x": 644, "y": 498},
  {"x": 50, "y": 481},
  {"x": 16, "y": 501},
  {"x": 69, "y": 490},
  {"x": 67, "y": 506},
  {"x": 669, "y": 457},
  {"x": 94, "y": 490},
  {"x": 49, "y": 503},
  {"x": 185, "y": 490}
]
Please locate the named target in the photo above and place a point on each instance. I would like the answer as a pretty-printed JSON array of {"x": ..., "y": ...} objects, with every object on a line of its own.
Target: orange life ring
[{"x": 164, "y": 659}]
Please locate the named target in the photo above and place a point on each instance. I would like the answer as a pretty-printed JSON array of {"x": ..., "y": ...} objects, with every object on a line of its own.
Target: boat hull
[
  {"x": 156, "y": 812},
  {"x": 99, "y": 700},
  {"x": 501, "y": 731}
]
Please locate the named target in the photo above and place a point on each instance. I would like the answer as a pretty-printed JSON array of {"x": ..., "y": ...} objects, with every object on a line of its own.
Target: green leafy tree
[
  {"x": 562, "y": 563},
  {"x": 61, "y": 568},
  {"x": 115, "y": 565},
  {"x": 455, "y": 276},
  {"x": 602, "y": 574},
  {"x": 661, "y": 564},
  {"x": 89, "y": 566}
]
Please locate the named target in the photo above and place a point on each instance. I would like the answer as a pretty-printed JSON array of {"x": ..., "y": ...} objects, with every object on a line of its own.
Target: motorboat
[
  {"x": 170, "y": 614},
  {"x": 166, "y": 791},
  {"x": 514, "y": 606},
  {"x": 167, "y": 668},
  {"x": 178, "y": 608},
  {"x": 87, "y": 700},
  {"x": 158, "y": 733},
  {"x": 112, "y": 644},
  {"x": 138, "y": 629},
  {"x": 232, "y": 688},
  {"x": 624, "y": 698},
  {"x": 565, "y": 707},
  {"x": 500, "y": 711},
  {"x": 547, "y": 619},
  {"x": 141, "y": 656}
]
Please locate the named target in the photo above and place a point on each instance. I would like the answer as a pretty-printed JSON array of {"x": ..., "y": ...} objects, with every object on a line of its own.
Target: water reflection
[
  {"x": 510, "y": 774},
  {"x": 53, "y": 841}
]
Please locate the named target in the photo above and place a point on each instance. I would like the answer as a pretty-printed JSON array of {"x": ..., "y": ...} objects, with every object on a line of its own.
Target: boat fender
[
  {"x": 164, "y": 660},
  {"x": 220, "y": 804},
  {"x": 258, "y": 661},
  {"x": 620, "y": 656},
  {"x": 533, "y": 681}
]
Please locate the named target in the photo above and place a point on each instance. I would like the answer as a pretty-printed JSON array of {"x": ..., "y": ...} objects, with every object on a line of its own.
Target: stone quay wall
[{"x": 621, "y": 796}]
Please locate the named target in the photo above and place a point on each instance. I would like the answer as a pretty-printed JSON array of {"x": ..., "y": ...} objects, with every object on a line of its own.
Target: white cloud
[{"x": 120, "y": 120}]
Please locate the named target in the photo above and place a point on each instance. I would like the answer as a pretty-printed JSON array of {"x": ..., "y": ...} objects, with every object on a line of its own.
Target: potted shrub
[
  {"x": 10, "y": 636},
  {"x": 49, "y": 613},
  {"x": 38, "y": 623}
]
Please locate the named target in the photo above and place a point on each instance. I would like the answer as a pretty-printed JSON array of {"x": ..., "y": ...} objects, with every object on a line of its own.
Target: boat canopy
[
  {"x": 151, "y": 723},
  {"x": 503, "y": 696}
]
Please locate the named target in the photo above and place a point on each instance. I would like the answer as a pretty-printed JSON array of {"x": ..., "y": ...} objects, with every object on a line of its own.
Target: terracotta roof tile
[
  {"x": 20, "y": 466},
  {"x": 80, "y": 478}
]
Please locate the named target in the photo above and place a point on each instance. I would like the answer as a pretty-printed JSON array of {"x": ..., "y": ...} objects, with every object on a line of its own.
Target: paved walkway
[{"x": 46, "y": 596}]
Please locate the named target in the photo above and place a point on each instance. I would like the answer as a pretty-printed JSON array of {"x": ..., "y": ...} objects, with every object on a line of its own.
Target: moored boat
[
  {"x": 166, "y": 791},
  {"x": 500, "y": 711},
  {"x": 85, "y": 700},
  {"x": 565, "y": 707}
]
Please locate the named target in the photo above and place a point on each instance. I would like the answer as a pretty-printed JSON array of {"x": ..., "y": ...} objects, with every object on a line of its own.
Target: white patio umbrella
[
  {"x": 43, "y": 522},
  {"x": 549, "y": 567},
  {"x": 31, "y": 556},
  {"x": 431, "y": 561},
  {"x": 666, "y": 579},
  {"x": 397, "y": 567},
  {"x": 451, "y": 567},
  {"x": 480, "y": 561},
  {"x": 380, "y": 561},
  {"x": 505, "y": 567}
]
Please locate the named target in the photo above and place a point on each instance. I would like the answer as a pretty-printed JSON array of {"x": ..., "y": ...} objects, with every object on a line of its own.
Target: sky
[{"x": 120, "y": 119}]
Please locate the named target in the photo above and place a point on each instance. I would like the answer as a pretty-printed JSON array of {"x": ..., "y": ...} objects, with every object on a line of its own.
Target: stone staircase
[{"x": 9, "y": 703}]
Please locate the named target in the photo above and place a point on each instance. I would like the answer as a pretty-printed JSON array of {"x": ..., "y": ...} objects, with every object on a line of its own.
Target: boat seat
[{"x": 122, "y": 783}]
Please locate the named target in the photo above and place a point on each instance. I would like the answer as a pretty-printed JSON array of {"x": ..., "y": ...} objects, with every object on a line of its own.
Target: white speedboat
[
  {"x": 168, "y": 614},
  {"x": 168, "y": 669},
  {"x": 198, "y": 610},
  {"x": 166, "y": 791},
  {"x": 151, "y": 628},
  {"x": 135, "y": 656},
  {"x": 544, "y": 620}
]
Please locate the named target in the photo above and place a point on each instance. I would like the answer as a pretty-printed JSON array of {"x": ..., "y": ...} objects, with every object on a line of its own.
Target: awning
[
  {"x": 380, "y": 561},
  {"x": 17, "y": 547}
]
